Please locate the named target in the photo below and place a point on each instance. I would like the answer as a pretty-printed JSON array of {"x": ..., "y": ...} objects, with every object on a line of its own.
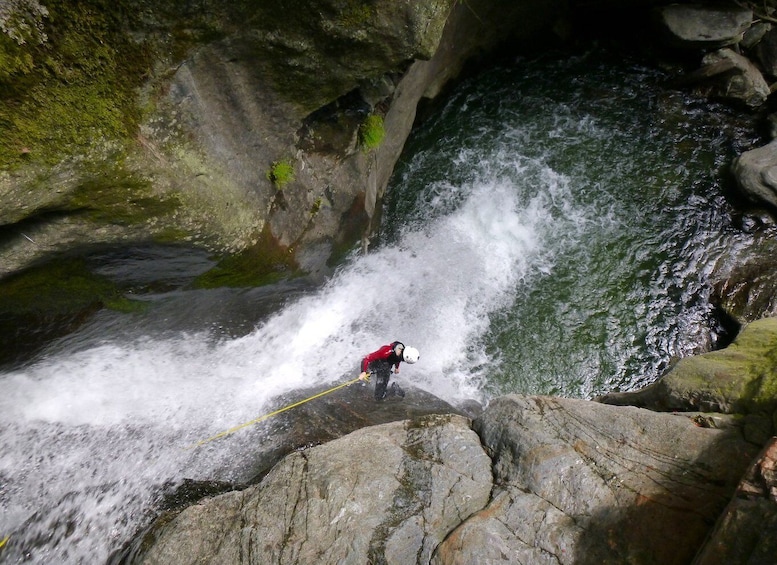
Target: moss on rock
[
  {"x": 741, "y": 378},
  {"x": 371, "y": 132},
  {"x": 51, "y": 300},
  {"x": 118, "y": 198},
  {"x": 66, "y": 94},
  {"x": 58, "y": 287},
  {"x": 266, "y": 262}
]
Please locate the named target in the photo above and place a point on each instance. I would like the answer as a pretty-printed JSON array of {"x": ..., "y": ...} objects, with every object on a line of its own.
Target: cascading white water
[
  {"x": 492, "y": 232},
  {"x": 89, "y": 436}
]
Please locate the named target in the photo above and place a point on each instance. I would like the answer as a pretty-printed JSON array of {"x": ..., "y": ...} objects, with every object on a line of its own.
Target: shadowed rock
[
  {"x": 747, "y": 530},
  {"x": 580, "y": 482}
]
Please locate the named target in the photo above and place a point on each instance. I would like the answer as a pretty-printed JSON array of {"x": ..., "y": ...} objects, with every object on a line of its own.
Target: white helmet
[{"x": 410, "y": 355}]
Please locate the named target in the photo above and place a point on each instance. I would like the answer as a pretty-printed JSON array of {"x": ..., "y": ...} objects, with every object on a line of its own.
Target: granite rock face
[
  {"x": 638, "y": 477},
  {"x": 580, "y": 482},
  {"x": 553, "y": 481},
  {"x": 745, "y": 532},
  {"x": 756, "y": 173},
  {"x": 700, "y": 25},
  {"x": 241, "y": 88},
  {"x": 388, "y": 493},
  {"x": 224, "y": 92}
]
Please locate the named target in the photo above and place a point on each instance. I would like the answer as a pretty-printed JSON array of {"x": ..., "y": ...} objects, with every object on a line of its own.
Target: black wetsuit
[{"x": 379, "y": 363}]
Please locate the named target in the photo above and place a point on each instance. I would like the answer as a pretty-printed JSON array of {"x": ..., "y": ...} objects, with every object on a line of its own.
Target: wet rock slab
[
  {"x": 388, "y": 493},
  {"x": 577, "y": 482},
  {"x": 539, "y": 480},
  {"x": 747, "y": 530}
]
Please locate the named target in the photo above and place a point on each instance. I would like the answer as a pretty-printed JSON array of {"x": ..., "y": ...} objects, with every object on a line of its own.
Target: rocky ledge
[{"x": 530, "y": 480}]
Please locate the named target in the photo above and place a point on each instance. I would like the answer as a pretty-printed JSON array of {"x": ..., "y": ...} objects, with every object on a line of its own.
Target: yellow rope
[
  {"x": 246, "y": 424},
  {"x": 260, "y": 418}
]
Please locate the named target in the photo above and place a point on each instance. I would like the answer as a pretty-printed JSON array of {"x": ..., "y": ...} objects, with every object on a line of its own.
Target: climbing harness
[{"x": 260, "y": 418}]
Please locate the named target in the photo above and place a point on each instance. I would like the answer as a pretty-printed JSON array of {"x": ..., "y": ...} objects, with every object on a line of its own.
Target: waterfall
[{"x": 536, "y": 239}]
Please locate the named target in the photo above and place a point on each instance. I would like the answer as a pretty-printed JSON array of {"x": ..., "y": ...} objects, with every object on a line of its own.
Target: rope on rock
[{"x": 264, "y": 417}]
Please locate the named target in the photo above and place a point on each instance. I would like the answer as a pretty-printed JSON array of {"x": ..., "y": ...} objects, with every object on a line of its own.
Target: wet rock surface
[
  {"x": 384, "y": 493},
  {"x": 574, "y": 481},
  {"x": 745, "y": 531}
]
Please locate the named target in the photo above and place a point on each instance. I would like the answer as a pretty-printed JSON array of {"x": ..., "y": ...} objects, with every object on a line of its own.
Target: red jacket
[{"x": 385, "y": 353}]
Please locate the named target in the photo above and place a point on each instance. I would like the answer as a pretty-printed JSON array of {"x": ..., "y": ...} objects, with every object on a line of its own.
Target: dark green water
[
  {"x": 552, "y": 229},
  {"x": 620, "y": 183}
]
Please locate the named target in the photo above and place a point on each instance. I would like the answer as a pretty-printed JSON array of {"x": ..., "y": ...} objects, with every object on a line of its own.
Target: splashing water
[
  {"x": 86, "y": 434},
  {"x": 523, "y": 251}
]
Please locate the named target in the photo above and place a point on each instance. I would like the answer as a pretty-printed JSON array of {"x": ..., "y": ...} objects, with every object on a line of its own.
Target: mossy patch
[
  {"x": 281, "y": 173},
  {"x": 266, "y": 262},
  {"x": 67, "y": 94},
  {"x": 355, "y": 15},
  {"x": 119, "y": 198},
  {"x": 742, "y": 377},
  {"x": 14, "y": 59},
  {"x": 52, "y": 300},
  {"x": 73, "y": 82},
  {"x": 371, "y": 132},
  {"x": 59, "y": 287}
]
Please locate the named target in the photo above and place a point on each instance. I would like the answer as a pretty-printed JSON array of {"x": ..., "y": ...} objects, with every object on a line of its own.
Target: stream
[{"x": 550, "y": 229}]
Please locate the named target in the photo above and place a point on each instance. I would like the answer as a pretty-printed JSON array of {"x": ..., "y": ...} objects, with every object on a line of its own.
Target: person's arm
[
  {"x": 364, "y": 375},
  {"x": 381, "y": 353}
]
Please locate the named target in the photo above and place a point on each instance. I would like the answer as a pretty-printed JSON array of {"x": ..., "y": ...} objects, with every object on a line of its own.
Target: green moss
[
  {"x": 51, "y": 300},
  {"x": 316, "y": 206},
  {"x": 281, "y": 173},
  {"x": 63, "y": 116},
  {"x": 742, "y": 376},
  {"x": 355, "y": 15},
  {"x": 265, "y": 263},
  {"x": 78, "y": 88},
  {"x": 125, "y": 305},
  {"x": 21, "y": 26},
  {"x": 371, "y": 132},
  {"x": 118, "y": 197},
  {"x": 171, "y": 235},
  {"x": 61, "y": 287},
  {"x": 14, "y": 59}
]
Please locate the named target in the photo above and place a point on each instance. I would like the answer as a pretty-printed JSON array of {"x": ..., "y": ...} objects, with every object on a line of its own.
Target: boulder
[
  {"x": 766, "y": 50},
  {"x": 581, "y": 482},
  {"x": 737, "y": 78},
  {"x": 745, "y": 284},
  {"x": 740, "y": 379},
  {"x": 755, "y": 34},
  {"x": 548, "y": 480},
  {"x": 756, "y": 174},
  {"x": 747, "y": 531},
  {"x": 699, "y": 25},
  {"x": 388, "y": 493}
]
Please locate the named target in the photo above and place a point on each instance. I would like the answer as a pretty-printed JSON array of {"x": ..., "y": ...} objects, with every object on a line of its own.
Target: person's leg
[
  {"x": 396, "y": 390},
  {"x": 381, "y": 385},
  {"x": 382, "y": 372}
]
